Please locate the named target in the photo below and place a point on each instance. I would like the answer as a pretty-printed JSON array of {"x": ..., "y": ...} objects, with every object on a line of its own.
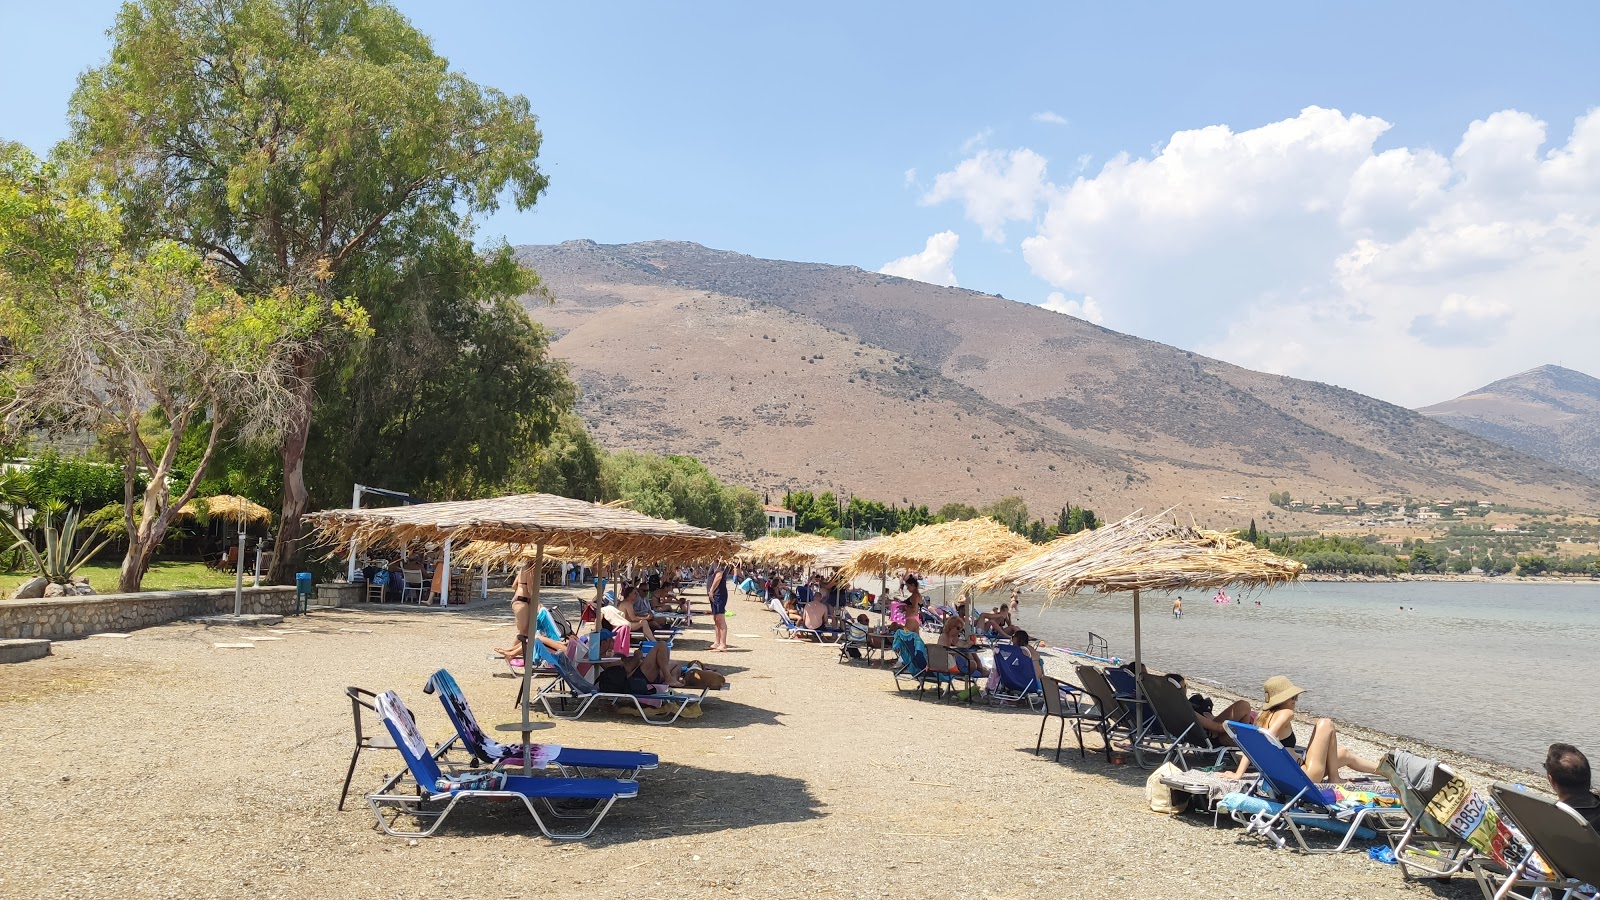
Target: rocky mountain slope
[
  {"x": 784, "y": 374},
  {"x": 1548, "y": 412}
]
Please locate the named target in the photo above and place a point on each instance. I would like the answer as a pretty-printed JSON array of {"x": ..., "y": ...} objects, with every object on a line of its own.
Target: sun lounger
[
  {"x": 857, "y": 638},
  {"x": 571, "y": 761},
  {"x": 434, "y": 795},
  {"x": 585, "y": 694},
  {"x": 1180, "y": 728},
  {"x": 786, "y": 627},
  {"x": 1286, "y": 799},
  {"x": 1141, "y": 716},
  {"x": 942, "y": 662},
  {"x": 1562, "y": 855},
  {"x": 1017, "y": 680},
  {"x": 1427, "y": 848},
  {"x": 368, "y": 737}
]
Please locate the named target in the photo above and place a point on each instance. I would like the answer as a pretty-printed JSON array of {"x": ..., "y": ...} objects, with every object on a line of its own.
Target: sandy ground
[{"x": 158, "y": 765}]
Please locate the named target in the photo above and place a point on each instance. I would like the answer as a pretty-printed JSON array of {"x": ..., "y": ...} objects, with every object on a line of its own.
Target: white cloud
[
  {"x": 980, "y": 139},
  {"x": 911, "y": 177},
  {"x": 1082, "y": 309},
  {"x": 996, "y": 187},
  {"x": 1297, "y": 247},
  {"x": 1049, "y": 118},
  {"x": 932, "y": 264}
]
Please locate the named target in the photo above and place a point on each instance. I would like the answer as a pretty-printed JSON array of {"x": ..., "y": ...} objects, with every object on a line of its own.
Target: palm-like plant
[{"x": 63, "y": 553}]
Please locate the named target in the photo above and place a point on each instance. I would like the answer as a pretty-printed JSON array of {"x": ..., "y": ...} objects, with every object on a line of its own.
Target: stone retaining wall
[{"x": 60, "y": 618}]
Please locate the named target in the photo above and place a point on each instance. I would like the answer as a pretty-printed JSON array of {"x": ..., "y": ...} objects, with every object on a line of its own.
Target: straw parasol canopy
[
  {"x": 227, "y": 506},
  {"x": 788, "y": 550},
  {"x": 523, "y": 522},
  {"x": 835, "y": 556},
  {"x": 1139, "y": 553},
  {"x": 951, "y": 548}
]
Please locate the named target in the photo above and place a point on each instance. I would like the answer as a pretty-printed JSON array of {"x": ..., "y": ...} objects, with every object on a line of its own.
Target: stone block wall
[{"x": 62, "y": 618}]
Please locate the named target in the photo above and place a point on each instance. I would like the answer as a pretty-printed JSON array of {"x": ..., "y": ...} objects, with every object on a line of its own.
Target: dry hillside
[
  {"x": 782, "y": 374},
  {"x": 1548, "y": 412}
]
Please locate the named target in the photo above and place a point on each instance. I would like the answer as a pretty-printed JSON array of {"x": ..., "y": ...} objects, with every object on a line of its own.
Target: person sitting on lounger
[
  {"x": 997, "y": 621},
  {"x": 1323, "y": 758},
  {"x": 1568, "y": 771}
]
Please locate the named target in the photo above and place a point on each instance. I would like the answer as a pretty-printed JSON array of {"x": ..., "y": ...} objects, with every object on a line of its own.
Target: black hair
[
  {"x": 1568, "y": 769},
  {"x": 1020, "y": 638}
]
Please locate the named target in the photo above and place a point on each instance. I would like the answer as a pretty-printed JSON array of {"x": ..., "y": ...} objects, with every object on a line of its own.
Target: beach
[{"x": 186, "y": 770}]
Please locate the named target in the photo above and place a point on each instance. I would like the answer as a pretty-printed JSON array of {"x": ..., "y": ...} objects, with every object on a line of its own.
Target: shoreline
[{"x": 1483, "y": 579}]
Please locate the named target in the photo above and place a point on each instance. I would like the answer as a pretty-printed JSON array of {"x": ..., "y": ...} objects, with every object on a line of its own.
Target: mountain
[
  {"x": 1548, "y": 412},
  {"x": 786, "y": 374}
]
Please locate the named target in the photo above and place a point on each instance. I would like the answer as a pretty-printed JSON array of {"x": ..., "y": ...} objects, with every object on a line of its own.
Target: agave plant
[{"x": 63, "y": 553}]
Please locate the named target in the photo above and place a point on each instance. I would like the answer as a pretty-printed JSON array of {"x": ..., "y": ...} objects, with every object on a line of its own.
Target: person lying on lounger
[{"x": 1323, "y": 758}]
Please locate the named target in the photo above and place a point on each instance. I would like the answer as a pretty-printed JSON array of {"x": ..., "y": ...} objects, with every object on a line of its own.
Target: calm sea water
[{"x": 1494, "y": 670}]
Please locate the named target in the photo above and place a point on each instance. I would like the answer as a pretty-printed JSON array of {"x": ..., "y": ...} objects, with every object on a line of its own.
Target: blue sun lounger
[
  {"x": 1018, "y": 682},
  {"x": 570, "y": 761},
  {"x": 795, "y": 632},
  {"x": 1286, "y": 799},
  {"x": 585, "y": 694},
  {"x": 435, "y": 794}
]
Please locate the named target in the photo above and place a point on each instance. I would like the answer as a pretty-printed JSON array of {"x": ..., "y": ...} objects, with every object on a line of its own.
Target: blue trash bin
[{"x": 302, "y": 591}]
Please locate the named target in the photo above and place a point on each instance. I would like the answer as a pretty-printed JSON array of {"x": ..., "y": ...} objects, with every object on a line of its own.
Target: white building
[{"x": 779, "y": 518}]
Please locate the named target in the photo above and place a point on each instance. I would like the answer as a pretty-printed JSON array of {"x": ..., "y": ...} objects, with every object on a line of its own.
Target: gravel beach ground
[{"x": 159, "y": 765}]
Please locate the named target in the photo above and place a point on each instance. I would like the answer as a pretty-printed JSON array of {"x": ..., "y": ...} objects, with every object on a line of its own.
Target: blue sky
[{"x": 818, "y": 132}]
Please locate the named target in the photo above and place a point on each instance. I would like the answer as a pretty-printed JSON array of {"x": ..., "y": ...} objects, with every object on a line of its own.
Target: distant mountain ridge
[
  {"x": 1549, "y": 412},
  {"x": 786, "y": 374}
]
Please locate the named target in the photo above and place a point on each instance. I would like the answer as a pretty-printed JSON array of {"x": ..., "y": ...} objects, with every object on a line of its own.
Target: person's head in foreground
[
  {"x": 1020, "y": 638},
  {"x": 1280, "y": 694},
  {"x": 1568, "y": 771}
]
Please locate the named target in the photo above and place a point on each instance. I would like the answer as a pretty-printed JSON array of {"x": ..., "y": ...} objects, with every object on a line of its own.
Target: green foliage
[
  {"x": 1282, "y": 498},
  {"x": 1252, "y": 535},
  {"x": 957, "y": 512},
  {"x": 812, "y": 514},
  {"x": 1011, "y": 512},
  {"x": 1078, "y": 519},
  {"x": 62, "y": 553},
  {"x": 682, "y": 488},
  {"x": 1351, "y": 563},
  {"x": 1423, "y": 562},
  {"x": 1533, "y": 565},
  {"x": 72, "y": 481}
]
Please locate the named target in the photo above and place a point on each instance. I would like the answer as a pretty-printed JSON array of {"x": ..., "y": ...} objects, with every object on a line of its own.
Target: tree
[
  {"x": 682, "y": 488},
  {"x": 957, "y": 512},
  {"x": 1423, "y": 562},
  {"x": 298, "y": 143},
  {"x": 1011, "y": 512},
  {"x": 1064, "y": 521},
  {"x": 1251, "y": 535},
  {"x": 146, "y": 343}
]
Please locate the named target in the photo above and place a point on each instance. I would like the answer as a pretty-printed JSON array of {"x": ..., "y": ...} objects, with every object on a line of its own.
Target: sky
[{"x": 1402, "y": 199}]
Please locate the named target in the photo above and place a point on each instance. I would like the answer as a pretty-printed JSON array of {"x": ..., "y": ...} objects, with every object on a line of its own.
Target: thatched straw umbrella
[
  {"x": 539, "y": 521},
  {"x": 227, "y": 506},
  {"x": 788, "y": 550},
  {"x": 950, "y": 548},
  {"x": 840, "y": 552},
  {"x": 1139, "y": 553}
]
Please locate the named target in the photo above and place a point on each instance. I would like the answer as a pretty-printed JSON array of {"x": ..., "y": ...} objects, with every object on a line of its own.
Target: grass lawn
[{"x": 163, "y": 576}]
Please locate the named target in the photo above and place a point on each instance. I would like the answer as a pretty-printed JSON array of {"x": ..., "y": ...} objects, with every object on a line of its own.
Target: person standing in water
[{"x": 1177, "y": 608}]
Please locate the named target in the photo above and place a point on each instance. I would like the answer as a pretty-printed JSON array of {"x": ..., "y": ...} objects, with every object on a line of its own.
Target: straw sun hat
[{"x": 1280, "y": 690}]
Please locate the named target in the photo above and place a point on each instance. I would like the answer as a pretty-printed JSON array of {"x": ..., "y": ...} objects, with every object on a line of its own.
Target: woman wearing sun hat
[{"x": 1323, "y": 757}]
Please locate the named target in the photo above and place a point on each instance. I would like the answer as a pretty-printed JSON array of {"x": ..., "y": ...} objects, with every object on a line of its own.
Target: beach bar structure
[
  {"x": 522, "y": 523},
  {"x": 1139, "y": 553}
]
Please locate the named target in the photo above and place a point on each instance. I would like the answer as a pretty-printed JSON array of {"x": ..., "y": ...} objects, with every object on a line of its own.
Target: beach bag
[{"x": 1162, "y": 798}]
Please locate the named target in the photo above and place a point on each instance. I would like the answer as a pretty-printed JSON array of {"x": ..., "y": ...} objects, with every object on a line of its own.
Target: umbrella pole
[
  {"x": 528, "y": 656},
  {"x": 1138, "y": 680}
]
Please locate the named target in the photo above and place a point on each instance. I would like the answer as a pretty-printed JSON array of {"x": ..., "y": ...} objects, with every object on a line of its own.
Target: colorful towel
[{"x": 1470, "y": 816}]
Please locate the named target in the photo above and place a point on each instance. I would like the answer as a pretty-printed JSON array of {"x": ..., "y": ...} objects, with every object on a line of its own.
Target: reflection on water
[{"x": 1495, "y": 670}]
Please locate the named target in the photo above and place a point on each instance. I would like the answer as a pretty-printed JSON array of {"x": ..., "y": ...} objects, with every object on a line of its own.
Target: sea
[{"x": 1496, "y": 670}]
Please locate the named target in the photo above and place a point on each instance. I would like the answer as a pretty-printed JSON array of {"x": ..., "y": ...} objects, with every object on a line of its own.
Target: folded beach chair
[
  {"x": 793, "y": 632},
  {"x": 942, "y": 663},
  {"x": 573, "y": 686},
  {"x": 570, "y": 761},
  {"x": 1180, "y": 728},
  {"x": 1141, "y": 716},
  {"x": 1427, "y": 848},
  {"x": 434, "y": 795},
  {"x": 1286, "y": 799},
  {"x": 1561, "y": 856},
  {"x": 1018, "y": 683}
]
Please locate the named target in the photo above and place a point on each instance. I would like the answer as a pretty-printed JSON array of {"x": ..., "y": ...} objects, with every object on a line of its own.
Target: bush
[{"x": 74, "y": 482}]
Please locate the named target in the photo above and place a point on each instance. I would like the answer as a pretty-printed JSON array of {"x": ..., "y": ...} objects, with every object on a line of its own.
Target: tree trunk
[
  {"x": 296, "y": 500},
  {"x": 134, "y": 566}
]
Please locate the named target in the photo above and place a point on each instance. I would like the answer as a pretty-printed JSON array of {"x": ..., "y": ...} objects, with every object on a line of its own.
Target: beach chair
[
  {"x": 570, "y": 761},
  {"x": 790, "y": 631},
  {"x": 1018, "y": 682},
  {"x": 413, "y": 587},
  {"x": 363, "y": 701},
  {"x": 1113, "y": 717},
  {"x": 434, "y": 795},
  {"x": 1427, "y": 848},
  {"x": 572, "y": 686},
  {"x": 1141, "y": 716},
  {"x": 940, "y": 664},
  {"x": 857, "y": 638},
  {"x": 1286, "y": 800},
  {"x": 1065, "y": 702},
  {"x": 1180, "y": 727},
  {"x": 1562, "y": 855},
  {"x": 915, "y": 666}
]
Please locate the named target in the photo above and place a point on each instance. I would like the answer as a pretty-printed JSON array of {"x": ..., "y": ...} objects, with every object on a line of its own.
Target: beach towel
[{"x": 1470, "y": 816}]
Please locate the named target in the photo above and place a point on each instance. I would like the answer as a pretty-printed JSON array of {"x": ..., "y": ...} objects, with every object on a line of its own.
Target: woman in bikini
[
  {"x": 521, "y": 609},
  {"x": 1323, "y": 757}
]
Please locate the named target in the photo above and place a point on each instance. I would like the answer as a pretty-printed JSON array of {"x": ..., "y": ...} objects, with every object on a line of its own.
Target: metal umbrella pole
[
  {"x": 528, "y": 656},
  {"x": 238, "y": 574},
  {"x": 1138, "y": 679}
]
